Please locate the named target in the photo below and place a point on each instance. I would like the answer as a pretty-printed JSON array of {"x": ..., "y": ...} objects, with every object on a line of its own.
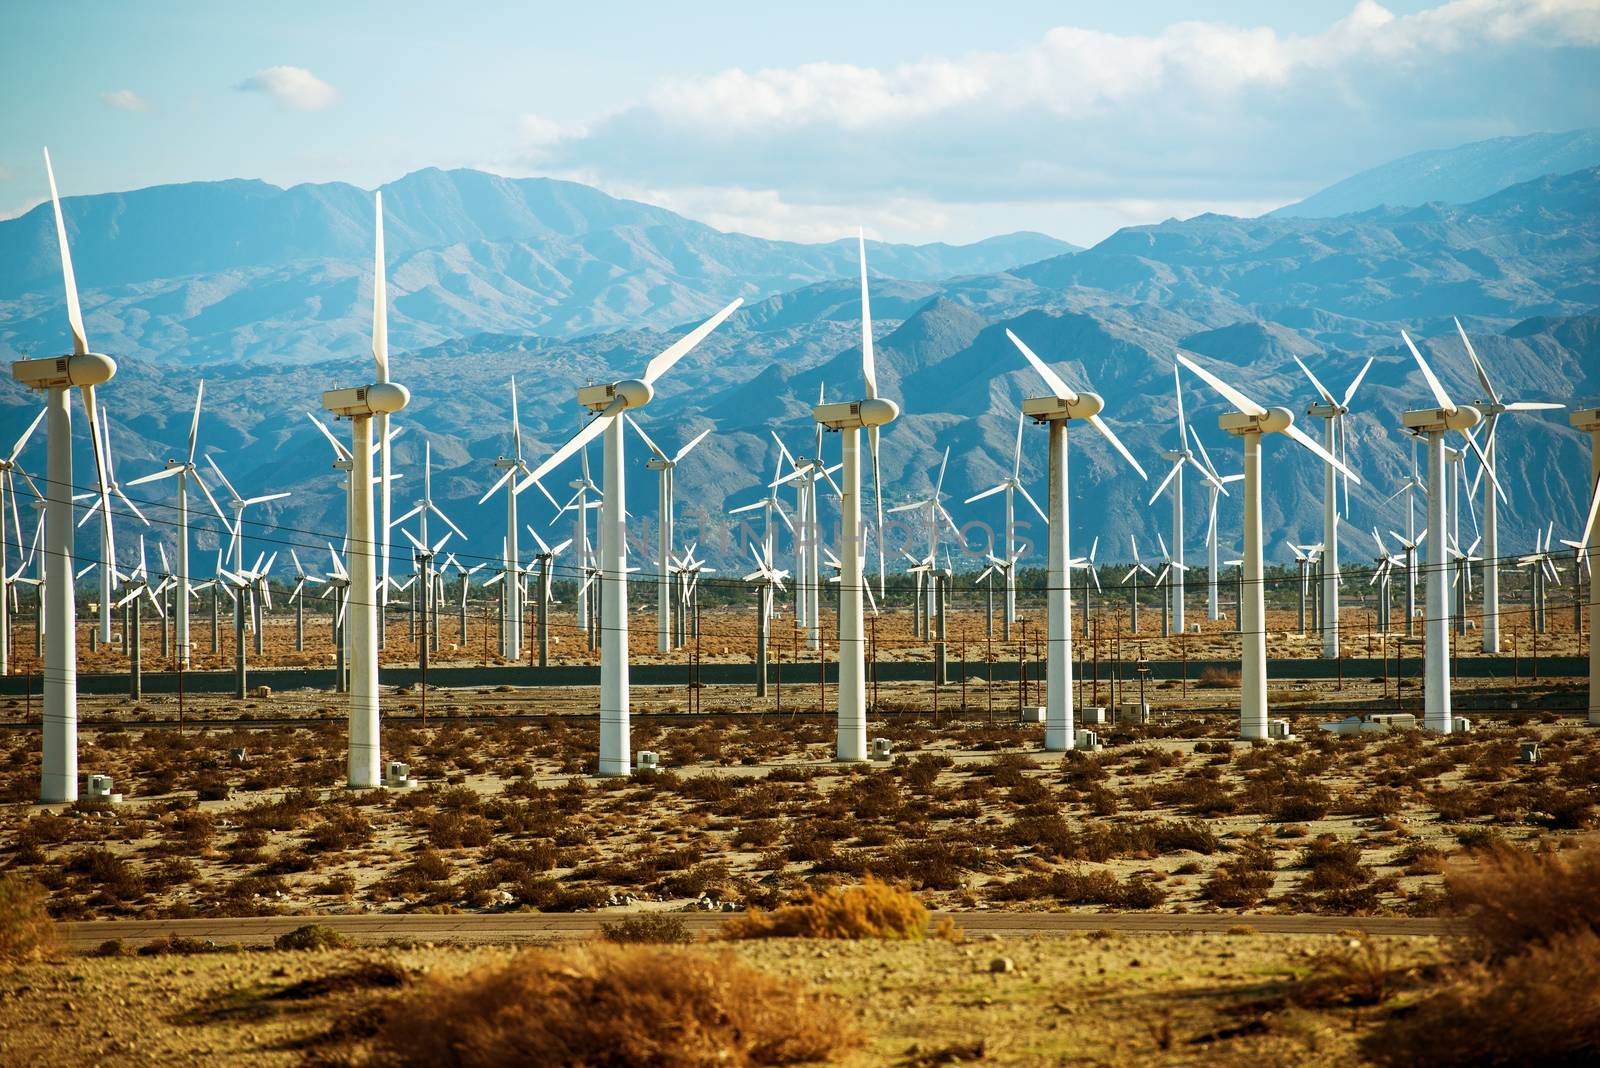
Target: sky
[{"x": 929, "y": 121}]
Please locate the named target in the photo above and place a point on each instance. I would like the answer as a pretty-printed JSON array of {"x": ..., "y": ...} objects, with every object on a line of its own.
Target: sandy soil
[
  {"x": 1113, "y": 1000},
  {"x": 728, "y": 635}
]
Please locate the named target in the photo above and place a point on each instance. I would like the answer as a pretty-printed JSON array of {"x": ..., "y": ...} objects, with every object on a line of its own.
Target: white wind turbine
[
  {"x": 1411, "y": 487},
  {"x": 1493, "y": 407},
  {"x": 513, "y": 466},
  {"x": 804, "y": 475},
  {"x": 609, "y": 402},
  {"x": 580, "y": 505},
  {"x": 1055, "y": 411},
  {"x": 1249, "y": 424},
  {"x": 1133, "y": 577},
  {"x": 426, "y": 550},
  {"x": 1433, "y": 423},
  {"x": 1179, "y": 457},
  {"x": 360, "y": 404},
  {"x": 185, "y": 471},
  {"x": 848, "y": 418},
  {"x": 110, "y": 577},
  {"x": 1332, "y": 412},
  {"x": 928, "y": 566},
  {"x": 1216, "y": 484},
  {"x": 666, "y": 466},
  {"x": 9, "y": 468},
  {"x": 1008, "y": 565},
  {"x": 56, "y": 375},
  {"x": 546, "y": 557},
  {"x": 769, "y": 506}
]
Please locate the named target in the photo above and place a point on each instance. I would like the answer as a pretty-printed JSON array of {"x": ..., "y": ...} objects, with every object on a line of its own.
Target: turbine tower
[
  {"x": 56, "y": 375},
  {"x": 1249, "y": 423},
  {"x": 666, "y": 466},
  {"x": 1062, "y": 405},
  {"x": 511, "y": 606},
  {"x": 1433, "y": 423},
  {"x": 1492, "y": 407},
  {"x": 1332, "y": 413},
  {"x": 1217, "y": 485},
  {"x": 361, "y": 404},
  {"x": 1588, "y": 420},
  {"x": 609, "y": 402},
  {"x": 848, "y": 418}
]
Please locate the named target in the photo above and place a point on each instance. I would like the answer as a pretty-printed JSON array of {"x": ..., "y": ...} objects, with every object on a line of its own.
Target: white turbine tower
[
  {"x": 360, "y": 404},
  {"x": 1332, "y": 412},
  {"x": 609, "y": 402},
  {"x": 848, "y": 418},
  {"x": 185, "y": 471},
  {"x": 1179, "y": 456},
  {"x": 1433, "y": 423},
  {"x": 9, "y": 468},
  {"x": 666, "y": 466},
  {"x": 513, "y": 466},
  {"x": 56, "y": 375},
  {"x": 807, "y": 530},
  {"x": 1493, "y": 407},
  {"x": 1250, "y": 422},
  {"x": 928, "y": 567},
  {"x": 1007, "y": 565},
  {"x": 1055, "y": 411}
]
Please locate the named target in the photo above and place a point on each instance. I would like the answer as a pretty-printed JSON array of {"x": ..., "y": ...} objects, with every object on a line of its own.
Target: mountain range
[{"x": 1520, "y": 267}]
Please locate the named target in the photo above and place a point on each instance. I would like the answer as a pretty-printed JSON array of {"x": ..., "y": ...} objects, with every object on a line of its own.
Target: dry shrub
[
  {"x": 1510, "y": 899},
  {"x": 613, "y": 1006},
  {"x": 872, "y": 910},
  {"x": 1218, "y": 679},
  {"x": 26, "y": 932},
  {"x": 1542, "y": 1007},
  {"x": 1361, "y": 972},
  {"x": 654, "y": 928}
]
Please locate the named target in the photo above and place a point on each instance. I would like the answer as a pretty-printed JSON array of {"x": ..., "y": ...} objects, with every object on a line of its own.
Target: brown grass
[
  {"x": 872, "y": 910},
  {"x": 26, "y": 930},
  {"x": 1542, "y": 1007},
  {"x": 1509, "y": 899},
  {"x": 614, "y": 1006}
]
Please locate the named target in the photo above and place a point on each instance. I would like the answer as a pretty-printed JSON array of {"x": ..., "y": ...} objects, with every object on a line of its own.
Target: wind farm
[{"x": 836, "y": 697}]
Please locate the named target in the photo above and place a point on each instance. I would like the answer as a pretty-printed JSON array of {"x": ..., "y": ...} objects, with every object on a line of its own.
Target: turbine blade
[
  {"x": 1350, "y": 391},
  {"x": 1310, "y": 443},
  {"x": 1052, "y": 381},
  {"x": 1229, "y": 394},
  {"x": 590, "y": 431},
  {"x": 1434, "y": 385},
  {"x": 1171, "y": 474},
  {"x": 697, "y": 439},
  {"x": 1105, "y": 431},
  {"x": 380, "y": 293},
  {"x": 22, "y": 441},
  {"x": 1322, "y": 391},
  {"x": 80, "y": 342},
  {"x": 869, "y": 367},
  {"x": 653, "y": 447},
  {"x": 663, "y": 361}
]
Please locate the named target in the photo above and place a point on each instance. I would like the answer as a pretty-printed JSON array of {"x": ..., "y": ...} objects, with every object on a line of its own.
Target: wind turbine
[
  {"x": 805, "y": 473},
  {"x": 1055, "y": 411},
  {"x": 1544, "y": 572},
  {"x": 1171, "y": 571},
  {"x": 1411, "y": 487},
  {"x": 546, "y": 556},
  {"x": 1179, "y": 457},
  {"x": 513, "y": 467},
  {"x": 848, "y": 418},
  {"x": 1010, "y": 487},
  {"x": 936, "y": 515},
  {"x": 666, "y": 466},
  {"x": 1332, "y": 412},
  {"x": 1433, "y": 423},
  {"x": 1216, "y": 484},
  {"x": 1493, "y": 407},
  {"x": 425, "y": 549},
  {"x": 110, "y": 577},
  {"x": 766, "y": 577},
  {"x": 1133, "y": 590},
  {"x": 361, "y": 404},
  {"x": 1249, "y": 423},
  {"x": 56, "y": 375},
  {"x": 1092, "y": 572},
  {"x": 9, "y": 468},
  {"x": 1382, "y": 575},
  {"x": 610, "y": 401},
  {"x": 185, "y": 470}
]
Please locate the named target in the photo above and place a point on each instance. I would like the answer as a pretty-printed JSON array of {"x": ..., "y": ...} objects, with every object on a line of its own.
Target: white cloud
[
  {"x": 294, "y": 88},
  {"x": 125, "y": 100},
  {"x": 1081, "y": 124}
]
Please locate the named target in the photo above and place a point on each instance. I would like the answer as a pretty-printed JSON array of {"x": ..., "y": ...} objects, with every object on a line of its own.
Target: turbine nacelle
[
  {"x": 52, "y": 372},
  {"x": 1463, "y": 418},
  {"x": 847, "y": 415},
  {"x": 1045, "y": 409},
  {"x": 1271, "y": 421},
  {"x": 633, "y": 393},
  {"x": 383, "y": 398}
]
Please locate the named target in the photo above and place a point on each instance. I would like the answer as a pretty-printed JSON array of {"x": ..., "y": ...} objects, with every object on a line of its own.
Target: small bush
[
  {"x": 872, "y": 910},
  {"x": 655, "y": 928},
  {"x": 311, "y": 936},
  {"x": 612, "y": 1006},
  {"x": 26, "y": 932},
  {"x": 1542, "y": 1007},
  {"x": 1509, "y": 899}
]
